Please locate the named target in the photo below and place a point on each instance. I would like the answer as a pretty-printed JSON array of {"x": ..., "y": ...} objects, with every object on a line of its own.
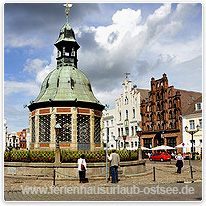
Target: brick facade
[{"x": 161, "y": 115}]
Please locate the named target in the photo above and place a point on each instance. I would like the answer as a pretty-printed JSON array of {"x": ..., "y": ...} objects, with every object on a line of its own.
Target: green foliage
[
  {"x": 67, "y": 156},
  {"x": 98, "y": 156},
  {"x": 42, "y": 156},
  {"x": 29, "y": 156}
]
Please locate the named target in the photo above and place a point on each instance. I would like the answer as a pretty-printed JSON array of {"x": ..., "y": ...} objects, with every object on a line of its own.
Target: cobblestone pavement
[{"x": 164, "y": 173}]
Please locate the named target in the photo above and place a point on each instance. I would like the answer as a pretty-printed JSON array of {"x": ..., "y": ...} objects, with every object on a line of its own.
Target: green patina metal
[
  {"x": 66, "y": 84},
  {"x": 66, "y": 34}
]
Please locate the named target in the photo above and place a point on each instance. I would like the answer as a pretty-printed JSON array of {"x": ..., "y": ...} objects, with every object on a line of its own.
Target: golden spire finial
[{"x": 68, "y": 6}]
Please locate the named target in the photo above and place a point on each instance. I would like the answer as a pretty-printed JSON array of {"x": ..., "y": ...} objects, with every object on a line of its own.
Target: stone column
[
  {"x": 36, "y": 144},
  {"x": 52, "y": 129},
  {"x": 92, "y": 144},
  {"x": 74, "y": 129}
]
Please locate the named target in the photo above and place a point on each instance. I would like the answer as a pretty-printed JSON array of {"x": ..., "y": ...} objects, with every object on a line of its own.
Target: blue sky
[{"x": 145, "y": 39}]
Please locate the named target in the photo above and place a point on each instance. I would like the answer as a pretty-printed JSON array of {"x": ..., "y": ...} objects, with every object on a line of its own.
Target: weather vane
[{"x": 67, "y": 9}]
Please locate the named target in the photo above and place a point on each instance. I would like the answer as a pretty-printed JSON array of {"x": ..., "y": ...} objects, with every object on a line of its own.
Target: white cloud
[
  {"x": 108, "y": 97},
  {"x": 29, "y": 88},
  {"x": 47, "y": 69},
  {"x": 35, "y": 65},
  {"x": 40, "y": 68},
  {"x": 12, "y": 40}
]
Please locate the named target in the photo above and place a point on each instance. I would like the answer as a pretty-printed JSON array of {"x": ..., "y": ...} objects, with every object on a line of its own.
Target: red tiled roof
[
  {"x": 191, "y": 109},
  {"x": 188, "y": 98}
]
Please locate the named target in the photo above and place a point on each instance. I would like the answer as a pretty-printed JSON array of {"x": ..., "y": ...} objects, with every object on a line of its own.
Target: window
[
  {"x": 147, "y": 142},
  {"x": 132, "y": 128},
  {"x": 133, "y": 113},
  {"x": 135, "y": 143},
  {"x": 122, "y": 131},
  {"x": 121, "y": 144},
  {"x": 147, "y": 108},
  {"x": 127, "y": 114},
  {"x": 199, "y": 106},
  {"x": 120, "y": 116},
  {"x": 112, "y": 122},
  {"x": 127, "y": 131},
  {"x": 118, "y": 132},
  {"x": 192, "y": 124},
  {"x": 200, "y": 123},
  {"x": 107, "y": 123},
  {"x": 132, "y": 144},
  {"x": 126, "y": 100},
  {"x": 171, "y": 141}
]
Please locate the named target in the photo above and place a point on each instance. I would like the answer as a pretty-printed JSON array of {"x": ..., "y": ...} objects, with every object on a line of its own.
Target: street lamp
[
  {"x": 115, "y": 139},
  {"x": 192, "y": 132},
  {"x": 139, "y": 133},
  {"x": 124, "y": 138},
  {"x": 58, "y": 130}
]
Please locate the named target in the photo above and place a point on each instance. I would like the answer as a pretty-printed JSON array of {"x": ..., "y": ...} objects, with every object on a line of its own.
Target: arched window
[
  {"x": 158, "y": 116},
  {"x": 170, "y": 104},
  {"x": 158, "y": 95},
  {"x": 147, "y": 127},
  {"x": 127, "y": 116},
  {"x": 162, "y": 105},
  {"x": 158, "y": 106},
  {"x": 170, "y": 114},
  {"x": 147, "y": 118},
  {"x": 147, "y": 108},
  {"x": 133, "y": 113}
]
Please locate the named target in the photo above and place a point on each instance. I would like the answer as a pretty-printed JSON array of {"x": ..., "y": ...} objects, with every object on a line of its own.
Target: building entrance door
[{"x": 158, "y": 140}]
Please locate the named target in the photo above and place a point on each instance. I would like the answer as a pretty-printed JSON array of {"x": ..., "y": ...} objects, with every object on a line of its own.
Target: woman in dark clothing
[{"x": 179, "y": 163}]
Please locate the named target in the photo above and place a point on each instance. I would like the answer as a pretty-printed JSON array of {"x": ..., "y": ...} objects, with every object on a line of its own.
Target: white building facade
[
  {"x": 109, "y": 127},
  {"x": 12, "y": 140},
  {"x": 192, "y": 119},
  {"x": 123, "y": 119}
]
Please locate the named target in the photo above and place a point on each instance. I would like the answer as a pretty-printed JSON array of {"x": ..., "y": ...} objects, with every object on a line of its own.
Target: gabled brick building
[
  {"x": 162, "y": 113},
  {"x": 22, "y": 139}
]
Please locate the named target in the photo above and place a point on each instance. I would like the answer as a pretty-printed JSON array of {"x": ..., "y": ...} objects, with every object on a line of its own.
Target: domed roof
[{"x": 66, "y": 86}]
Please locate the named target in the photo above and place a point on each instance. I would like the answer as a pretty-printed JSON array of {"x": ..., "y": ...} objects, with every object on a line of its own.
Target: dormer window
[{"x": 198, "y": 106}]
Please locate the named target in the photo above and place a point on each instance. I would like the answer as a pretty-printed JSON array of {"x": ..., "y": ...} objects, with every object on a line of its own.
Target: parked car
[{"x": 160, "y": 156}]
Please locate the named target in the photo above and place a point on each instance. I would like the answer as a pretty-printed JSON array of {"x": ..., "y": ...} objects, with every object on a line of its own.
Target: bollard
[
  {"x": 154, "y": 173},
  {"x": 191, "y": 172},
  {"x": 170, "y": 161},
  {"x": 54, "y": 177}
]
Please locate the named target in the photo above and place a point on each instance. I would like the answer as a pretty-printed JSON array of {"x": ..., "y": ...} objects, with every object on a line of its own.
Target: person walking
[
  {"x": 179, "y": 163},
  {"x": 115, "y": 160},
  {"x": 82, "y": 167}
]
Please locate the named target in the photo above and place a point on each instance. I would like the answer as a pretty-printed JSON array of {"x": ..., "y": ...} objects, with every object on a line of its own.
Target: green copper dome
[{"x": 66, "y": 84}]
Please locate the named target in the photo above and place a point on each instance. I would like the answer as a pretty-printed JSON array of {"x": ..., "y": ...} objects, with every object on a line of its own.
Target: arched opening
[{"x": 158, "y": 140}]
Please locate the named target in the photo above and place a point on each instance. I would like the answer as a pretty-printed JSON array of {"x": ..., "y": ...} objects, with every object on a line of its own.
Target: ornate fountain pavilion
[{"x": 66, "y": 98}]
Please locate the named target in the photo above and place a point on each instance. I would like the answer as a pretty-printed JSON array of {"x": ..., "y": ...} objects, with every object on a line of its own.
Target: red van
[{"x": 160, "y": 156}]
